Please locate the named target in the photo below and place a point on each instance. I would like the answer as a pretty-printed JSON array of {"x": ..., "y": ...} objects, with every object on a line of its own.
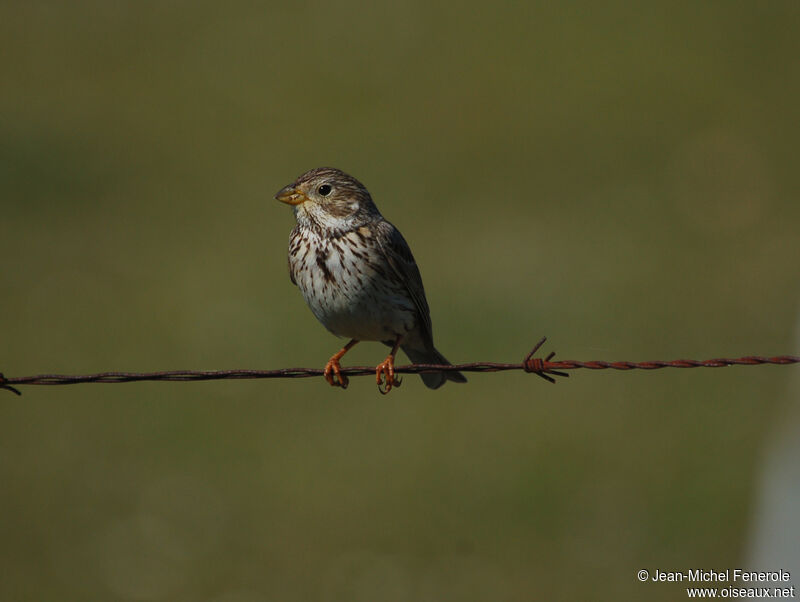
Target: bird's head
[{"x": 329, "y": 198}]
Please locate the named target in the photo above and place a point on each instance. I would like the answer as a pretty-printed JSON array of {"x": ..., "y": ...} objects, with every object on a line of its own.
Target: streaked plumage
[{"x": 356, "y": 272}]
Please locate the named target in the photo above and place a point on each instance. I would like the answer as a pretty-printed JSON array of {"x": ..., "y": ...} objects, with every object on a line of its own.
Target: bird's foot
[
  {"x": 333, "y": 374},
  {"x": 385, "y": 377}
]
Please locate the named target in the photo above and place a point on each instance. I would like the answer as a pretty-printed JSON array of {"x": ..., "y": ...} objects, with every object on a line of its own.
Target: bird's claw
[
  {"x": 385, "y": 376},
  {"x": 333, "y": 374}
]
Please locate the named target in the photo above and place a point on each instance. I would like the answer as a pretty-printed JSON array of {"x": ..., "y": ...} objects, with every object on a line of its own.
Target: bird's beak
[{"x": 291, "y": 195}]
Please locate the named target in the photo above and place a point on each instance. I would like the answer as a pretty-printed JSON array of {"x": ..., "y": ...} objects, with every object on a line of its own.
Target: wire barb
[
  {"x": 541, "y": 367},
  {"x": 546, "y": 368}
]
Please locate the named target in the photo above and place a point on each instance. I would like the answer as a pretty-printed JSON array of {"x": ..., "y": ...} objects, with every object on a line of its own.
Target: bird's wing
[{"x": 398, "y": 255}]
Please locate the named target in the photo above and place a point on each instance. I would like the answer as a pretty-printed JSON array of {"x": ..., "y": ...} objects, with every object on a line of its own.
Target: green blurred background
[{"x": 621, "y": 178}]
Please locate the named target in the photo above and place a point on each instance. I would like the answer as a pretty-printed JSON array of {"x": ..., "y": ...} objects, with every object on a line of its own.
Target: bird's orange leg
[
  {"x": 333, "y": 367},
  {"x": 384, "y": 372}
]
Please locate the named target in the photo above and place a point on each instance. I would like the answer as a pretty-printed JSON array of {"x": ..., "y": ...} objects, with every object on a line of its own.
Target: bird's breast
[{"x": 349, "y": 286}]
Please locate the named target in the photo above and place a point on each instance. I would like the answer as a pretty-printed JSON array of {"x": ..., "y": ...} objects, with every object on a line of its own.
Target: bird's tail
[{"x": 434, "y": 380}]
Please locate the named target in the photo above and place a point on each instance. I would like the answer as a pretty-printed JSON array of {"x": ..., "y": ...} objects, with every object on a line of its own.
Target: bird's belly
[{"x": 354, "y": 298}]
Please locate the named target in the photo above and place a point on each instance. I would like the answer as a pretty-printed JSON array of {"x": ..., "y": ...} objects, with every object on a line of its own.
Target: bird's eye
[{"x": 324, "y": 190}]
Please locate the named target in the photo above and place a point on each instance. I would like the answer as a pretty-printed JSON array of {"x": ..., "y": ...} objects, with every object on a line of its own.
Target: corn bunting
[{"x": 358, "y": 275}]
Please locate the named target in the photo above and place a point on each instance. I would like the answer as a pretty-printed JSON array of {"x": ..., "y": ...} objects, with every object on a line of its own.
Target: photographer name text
[{"x": 721, "y": 576}]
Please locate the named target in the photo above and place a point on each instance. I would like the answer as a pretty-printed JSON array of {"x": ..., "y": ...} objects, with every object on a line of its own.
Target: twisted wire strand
[{"x": 545, "y": 367}]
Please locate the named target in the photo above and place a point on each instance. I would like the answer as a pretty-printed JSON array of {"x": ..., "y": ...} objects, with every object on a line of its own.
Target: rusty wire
[{"x": 545, "y": 367}]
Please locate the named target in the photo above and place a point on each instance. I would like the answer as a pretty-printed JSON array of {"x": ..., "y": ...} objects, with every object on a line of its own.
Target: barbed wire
[{"x": 545, "y": 367}]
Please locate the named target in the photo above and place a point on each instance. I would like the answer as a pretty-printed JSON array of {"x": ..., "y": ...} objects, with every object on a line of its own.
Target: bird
[{"x": 358, "y": 276}]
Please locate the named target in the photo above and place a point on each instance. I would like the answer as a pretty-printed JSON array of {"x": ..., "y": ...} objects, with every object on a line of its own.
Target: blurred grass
[{"x": 622, "y": 181}]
